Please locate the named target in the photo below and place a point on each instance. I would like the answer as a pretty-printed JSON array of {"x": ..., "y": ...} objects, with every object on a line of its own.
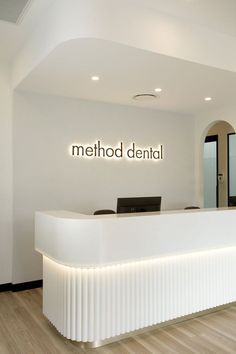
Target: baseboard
[
  {"x": 21, "y": 286},
  {"x": 5, "y": 287},
  {"x": 26, "y": 286}
]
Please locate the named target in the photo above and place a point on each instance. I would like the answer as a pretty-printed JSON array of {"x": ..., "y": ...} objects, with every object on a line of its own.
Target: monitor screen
[{"x": 138, "y": 204}]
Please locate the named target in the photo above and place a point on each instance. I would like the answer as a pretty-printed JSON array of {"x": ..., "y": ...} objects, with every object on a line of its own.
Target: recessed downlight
[
  {"x": 145, "y": 97},
  {"x": 158, "y": 89},
  {"x": 208, "y": 99},
  {"x": 95, "y": 78}
]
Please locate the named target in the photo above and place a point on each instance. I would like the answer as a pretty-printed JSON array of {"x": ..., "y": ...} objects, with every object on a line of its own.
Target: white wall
[
  {"x": 46, "y": 177},
  {"x": 5, "y": 176}
]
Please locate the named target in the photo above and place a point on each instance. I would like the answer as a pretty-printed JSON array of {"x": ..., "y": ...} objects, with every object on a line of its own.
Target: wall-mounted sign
[{"x": 132, "y": 151}]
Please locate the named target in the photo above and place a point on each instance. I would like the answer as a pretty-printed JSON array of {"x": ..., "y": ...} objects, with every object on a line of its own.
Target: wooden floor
[{"x": 24, "y": 330}]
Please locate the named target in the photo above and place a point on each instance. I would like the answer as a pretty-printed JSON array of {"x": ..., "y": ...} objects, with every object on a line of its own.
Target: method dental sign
[{"x": 131, "y": 152}]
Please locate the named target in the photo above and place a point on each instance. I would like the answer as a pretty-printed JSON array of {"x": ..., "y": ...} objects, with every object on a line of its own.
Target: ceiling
[
  {"x": 217, "y": 15},
  {"x": 12, "y": 10},
  {"x": 14, "y": 35},
  {"x": 124, "y": 72}
]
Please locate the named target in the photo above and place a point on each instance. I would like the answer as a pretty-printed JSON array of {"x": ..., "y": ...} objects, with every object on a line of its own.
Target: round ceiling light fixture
[
  {"x": 158, "y": 89},
  {"x": 95, "y": 78},
  {"x": 208, "y": 99},
  {"x": 145, "y": 97}
]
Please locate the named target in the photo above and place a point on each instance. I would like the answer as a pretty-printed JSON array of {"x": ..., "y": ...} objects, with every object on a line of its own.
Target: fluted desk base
[{"x": 98, "y": 304}]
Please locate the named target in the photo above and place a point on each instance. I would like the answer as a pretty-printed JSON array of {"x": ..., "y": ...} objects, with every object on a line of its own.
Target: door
[
  {"x": 210, "y": 158},
  {"x": 232, "y": 169}
]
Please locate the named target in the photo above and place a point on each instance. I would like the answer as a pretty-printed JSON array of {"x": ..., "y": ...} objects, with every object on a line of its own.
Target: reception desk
[{"x": 109, "y": 275}]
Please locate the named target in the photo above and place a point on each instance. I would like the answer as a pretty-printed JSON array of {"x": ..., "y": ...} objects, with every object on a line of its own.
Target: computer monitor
[{"x": 138, "y": 204}]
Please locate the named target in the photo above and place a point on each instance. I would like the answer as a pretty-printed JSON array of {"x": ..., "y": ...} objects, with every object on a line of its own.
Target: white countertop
[{"x": 80, "y": 240}]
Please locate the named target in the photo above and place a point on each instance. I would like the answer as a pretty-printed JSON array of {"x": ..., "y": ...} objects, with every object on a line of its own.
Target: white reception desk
[{"x": 108, "y": 275}]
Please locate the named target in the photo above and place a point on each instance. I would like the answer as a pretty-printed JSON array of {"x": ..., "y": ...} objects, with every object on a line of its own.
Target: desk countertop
[{"x": 80, "y": 240}]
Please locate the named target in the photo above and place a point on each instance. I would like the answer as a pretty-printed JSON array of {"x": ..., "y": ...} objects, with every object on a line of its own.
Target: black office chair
[
  {"x": 232, "y": 201},
  {"x": 191, "y": 207},
  {"x": 103, "y": 211}
]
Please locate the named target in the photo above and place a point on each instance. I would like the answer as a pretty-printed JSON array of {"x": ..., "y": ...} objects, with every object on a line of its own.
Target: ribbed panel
[{"x": 95, "y": 304}]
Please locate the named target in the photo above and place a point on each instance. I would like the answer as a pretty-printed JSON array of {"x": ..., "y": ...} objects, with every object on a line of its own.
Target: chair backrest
[
  {"x": 232, "y": 201},
  {"x": 103, "y": 211},
  {"x": 191, "y": 207}
]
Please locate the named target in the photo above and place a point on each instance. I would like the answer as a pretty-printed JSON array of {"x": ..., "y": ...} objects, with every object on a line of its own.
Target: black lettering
[
  {"x": 131, "y": 151},
  {"x": 100, "y": 149},
  {"x": 145, "y": 154},
  {"x": 89, "y": 151},
  {"x": 139, "y": 154},
  {"x": 112, "y": 152},
  {"x": 119, "y": 151},
  {"x": 95, "y": 149},
  {"x": 76, "y": 150},
  {"x": 151, "y": 152},
  {"x": 161, "y": 152},
  {"x": 158, "y": 155}
]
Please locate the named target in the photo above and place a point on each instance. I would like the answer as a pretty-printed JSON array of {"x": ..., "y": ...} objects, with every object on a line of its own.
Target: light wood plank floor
[{"x": 24, "y": 330}]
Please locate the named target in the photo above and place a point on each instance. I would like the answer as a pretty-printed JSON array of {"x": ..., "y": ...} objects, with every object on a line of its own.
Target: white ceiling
[
  {"x": 218, "y": 15},
  {"x": 13, "y": 36},
  {"x": 12, "y": 10},
  {"x": 126, "y": 71}
]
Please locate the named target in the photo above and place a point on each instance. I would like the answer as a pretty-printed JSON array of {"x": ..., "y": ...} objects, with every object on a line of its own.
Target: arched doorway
[{"x": 219, "y": 164}]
